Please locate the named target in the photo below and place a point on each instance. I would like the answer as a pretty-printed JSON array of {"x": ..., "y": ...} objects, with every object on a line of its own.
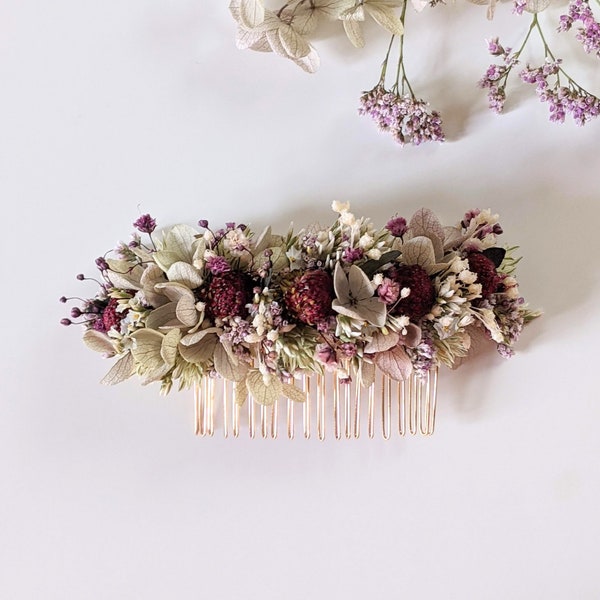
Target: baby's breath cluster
[{"x": 260, "y": 310}]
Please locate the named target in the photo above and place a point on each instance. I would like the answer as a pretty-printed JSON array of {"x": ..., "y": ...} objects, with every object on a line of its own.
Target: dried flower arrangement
[
  {"x": 192, "y": 305},
  {"x": 393, "y": 105}
]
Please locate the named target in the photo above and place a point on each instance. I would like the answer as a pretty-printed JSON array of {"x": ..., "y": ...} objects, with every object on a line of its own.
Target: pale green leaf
[
  {"x": 201, "y": 352},
  {"x": 295, "y": 45},
  {"x": 251, "y": 13},
  {"x": 163, "y": 316},
  {"x": 99, "y": 342},
  {"x": 385, "y": 17},
  {"x": 120, "y": 371},
  {"x": 186, "y": 274},
  {"x": 228, "y": 365},
  {"x": 354, "y": 32},
  {"x": 264, "y": 393},
  {"x": 168, "y": 349},
  {"x": 293, "y": 393},
  {"x": 186, "y": 311}
]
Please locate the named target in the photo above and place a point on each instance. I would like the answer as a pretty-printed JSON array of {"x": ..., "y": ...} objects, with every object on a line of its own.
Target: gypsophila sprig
[
  {"x": 261, "y": 310},
  {"x": 392, "y": 103}
]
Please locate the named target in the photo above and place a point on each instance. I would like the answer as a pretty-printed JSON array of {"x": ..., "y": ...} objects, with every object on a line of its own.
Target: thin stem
[{"x": 385, "y": 62}]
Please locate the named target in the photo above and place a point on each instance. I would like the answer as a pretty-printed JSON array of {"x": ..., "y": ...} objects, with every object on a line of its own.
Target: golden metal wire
[{"x": 411, "y": 403}]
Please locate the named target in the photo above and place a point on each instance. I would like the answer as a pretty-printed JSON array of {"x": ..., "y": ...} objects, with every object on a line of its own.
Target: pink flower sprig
[
  {"x": 589, "y": 31},
  {"x": 553, "y": 84}
]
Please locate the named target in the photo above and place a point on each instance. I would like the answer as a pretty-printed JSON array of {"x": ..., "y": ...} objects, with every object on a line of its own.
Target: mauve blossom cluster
[
  {"x": 589, "y": 31},
  {"x": 562, "y": 100},
  {"x": 408, "y": 119},
  {"x": 494, "y": 79},
  {"x": 260, "y": 310}
]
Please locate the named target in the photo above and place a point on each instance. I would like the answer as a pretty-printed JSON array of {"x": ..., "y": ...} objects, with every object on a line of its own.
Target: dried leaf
[
  {"x": 305, "y": 21},
  {"x": 168, "y": 349},
  {"x": 275, "y": 43},
  {"x": 128, "y": 280},
  {"x": 418, "y": 251},
  {"x": 263, "y": 241},
  {"x": 366, "y": 373},
  {"x": 385, "y": 17},
  {"x": 372, "y": 266},
  {"x": 200, "y": 352},
  {"x": 228, "y": 365},
  {"x": 295, "y": 45},
  {"x": 354, "y": 33},
  {"x": 309, "y": 63},
  {"x": 293, "y": 393},
  {"x": 99, "y": 342},
  {"x": 536, "y": 6},
  {"x": 174, "y": 291},
  {"x": 381, "y": 342},
  {"x": 413, "y": 336},
  {"x": 186, "y": 312},
  {"x": 186, "y": 274},
  {"x": 251, "y": 13},
  {"x": 394, "y": 363},
  {"x": 146, "y": 350},
  {"x": 194, "y": 338},
  {"x": 120, "y": 371},
  {"x": 163, "y": 316},
  {"x": 425, "y": 222},
  {"x": 264, "y": 393},
  {"x": 241, "y": 392}
]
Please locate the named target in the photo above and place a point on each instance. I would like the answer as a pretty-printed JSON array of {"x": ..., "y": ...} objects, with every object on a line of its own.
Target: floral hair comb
[{"x": 349, "y": 321}]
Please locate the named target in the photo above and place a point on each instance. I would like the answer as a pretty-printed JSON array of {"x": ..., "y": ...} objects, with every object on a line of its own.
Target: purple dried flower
[
  {"x": 397, "y": 226},
  {"x": 589, "y": 32},
  {"x": 408, "y": 119},
  {"x": 145, "y": 224},
  {"x": 66, "y": 322},
  {"x": 203, "y": 223},
  {"x": 217, "y": 265},
  {"x": 101, "y": 263},
  {"x": 351, "y": 255},
  {"x": 388, "y": 291}
]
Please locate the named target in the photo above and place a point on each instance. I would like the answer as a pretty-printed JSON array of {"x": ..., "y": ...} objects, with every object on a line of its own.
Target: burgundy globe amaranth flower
[
  {"x": 310, "y": 296},
  {"x": 486, "y": 273},
  {"x": 227, "y": 295},
  {"x": 422, "y": 292},
  {"x": 110, "y": 316},
  {"x": 397, "y": 226}
]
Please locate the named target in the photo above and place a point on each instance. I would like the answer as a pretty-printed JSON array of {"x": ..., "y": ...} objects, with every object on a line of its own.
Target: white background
[{"x": 111, "y": 109}]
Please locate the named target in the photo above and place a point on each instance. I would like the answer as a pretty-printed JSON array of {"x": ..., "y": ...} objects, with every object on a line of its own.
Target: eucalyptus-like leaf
[
  {"x": 381, "y": 342},
  {"x": 394, "y": 363},
  {"x": 291, "y": 392},
  {"x": 122, "y": 369},
  {"x": 99, "y": 342},
  {"x": 263, "y": 392},
  {"x": 168, "y": 349},
  {"x": 263, "y": 241},
  {"x": 186, "y": 274},
  {"x": 201, "y": 352}
]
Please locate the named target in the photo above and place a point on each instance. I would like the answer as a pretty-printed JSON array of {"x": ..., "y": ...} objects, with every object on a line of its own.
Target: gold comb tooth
[
  {"x": 386, "y": 406},
  {"x": 357, "y": 397},
  {"x": 211, "y": 407},
  {"x": 274, "y": 416},
  {"x": 371, "y": 411},
  {"x": 336, "y": 407},
  {"x": 321, "y": 406},
  {"x": 196, "y": 409},
  {"x": 433, "y": 374},
  {"x": 263, "y": 421},
  {"x": 413, "y": 405},
  {"x": 224, "y": 401},
  {"x": 251, "y": 429},
  {"x": 290, "y": 419},
  {"x": 347, "y": 411},
  {"x": 235, "y": 413},
  {"x": 401, "y": 407},
  {"x": 306, "y": 407}
]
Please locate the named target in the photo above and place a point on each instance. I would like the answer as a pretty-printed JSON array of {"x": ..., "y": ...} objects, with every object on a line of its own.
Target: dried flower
[
  {"x": 310, "y": 295},
  {"x": 228, "y": 294},
  {"x": 145, "y": 224},
  {"x": 422, "y": 293}
]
